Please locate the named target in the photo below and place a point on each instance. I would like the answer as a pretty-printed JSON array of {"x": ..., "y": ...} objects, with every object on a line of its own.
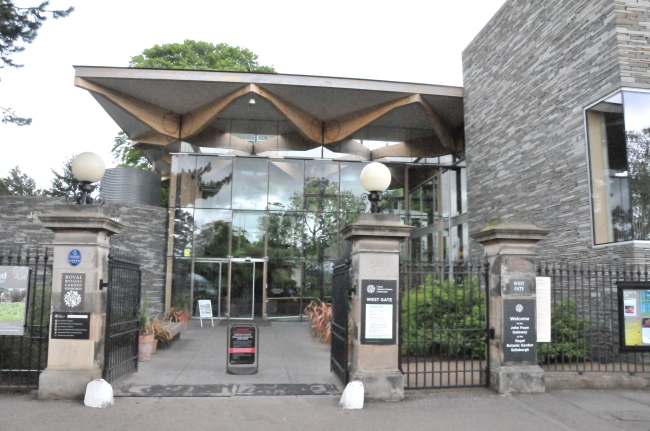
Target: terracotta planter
[
  {"x": 154, "y": 347},
  {"x": 185, "y": 324},
  {"x": 145, "y": 346}
]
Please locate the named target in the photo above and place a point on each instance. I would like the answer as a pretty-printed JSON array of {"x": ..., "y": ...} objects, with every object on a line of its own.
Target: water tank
[{"x": 130, "y": 185}]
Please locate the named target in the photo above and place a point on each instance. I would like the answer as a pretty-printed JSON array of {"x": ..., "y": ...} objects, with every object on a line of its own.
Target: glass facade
[
  {"x": 282, "y": 217},
  {"x": 618, "y": 131}
]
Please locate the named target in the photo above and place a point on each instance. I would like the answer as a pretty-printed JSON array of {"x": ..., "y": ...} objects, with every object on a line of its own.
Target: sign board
[
  {"x": 519, "y": 335},
  {"x": 14, "y": 293},
  {"x": 243, "y": 349},
  {"x": 70, "y": 325},
  {"x": 634, "y": 315},
  {"x": 74, "y": 257},
  {"x": 378, "y": 312},
  {"x": 205, "y": 310},
  {"x": 73, "y": 291},
  {"x": 543, "y": 310},
  {"x": 518, "y": 276}
]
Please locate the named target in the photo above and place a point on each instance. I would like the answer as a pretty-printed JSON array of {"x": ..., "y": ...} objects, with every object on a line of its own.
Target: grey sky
[{"x": 409, "y": 41}]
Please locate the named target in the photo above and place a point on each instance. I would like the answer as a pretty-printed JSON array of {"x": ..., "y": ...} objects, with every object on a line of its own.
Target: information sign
[
  {"x": 14, "y": 293},
  {"x": 519, "y": 334},
  {"x": 70, "y": 325},
  {"x": 73, "y": 291},
  {"x": 378, "y": 312},
  {"x": 242, "y": 349},
  {"x": 634, "y": 315},
  {"x": 205, "y": 310}
]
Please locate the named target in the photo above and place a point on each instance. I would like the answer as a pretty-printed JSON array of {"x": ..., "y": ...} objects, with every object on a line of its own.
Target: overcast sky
[{"x": 408, "y": 41}]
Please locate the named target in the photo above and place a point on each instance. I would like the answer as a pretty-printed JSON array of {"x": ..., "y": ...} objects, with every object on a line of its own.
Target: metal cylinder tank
[{"x": 130, "y": 185}]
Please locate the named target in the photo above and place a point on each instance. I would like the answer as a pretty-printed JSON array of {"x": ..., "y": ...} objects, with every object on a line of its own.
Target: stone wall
[
  {"x": 528, "y": 77},
  {"x": 144, "y": 235}
]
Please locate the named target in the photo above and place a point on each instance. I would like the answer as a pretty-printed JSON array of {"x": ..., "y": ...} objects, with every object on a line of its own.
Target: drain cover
[{"x": 227, "y": 390}]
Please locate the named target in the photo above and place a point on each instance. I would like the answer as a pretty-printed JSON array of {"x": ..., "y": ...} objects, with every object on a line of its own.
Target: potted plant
[
  {"x": 146, "y": 334},
  {"x": 160, "y": 333},
  {"x": 179, "y": 314}
]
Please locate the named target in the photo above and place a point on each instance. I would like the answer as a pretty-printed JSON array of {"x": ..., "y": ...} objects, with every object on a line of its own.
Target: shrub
[
  {"x": 444, "y": 318},
  {"x": 569, "y": 334}
]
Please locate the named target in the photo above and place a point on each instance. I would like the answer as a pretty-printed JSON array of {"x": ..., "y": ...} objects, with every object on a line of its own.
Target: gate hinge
[
  {"x": 102, "y": 284},
  {"x": 491, "y": 333}
]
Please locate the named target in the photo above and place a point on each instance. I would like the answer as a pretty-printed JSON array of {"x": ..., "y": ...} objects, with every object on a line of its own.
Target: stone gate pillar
[
  {"x": 510, "y": 248},
  {"x": 77, "y": 313},
  {"x": 375, "y": 303}
]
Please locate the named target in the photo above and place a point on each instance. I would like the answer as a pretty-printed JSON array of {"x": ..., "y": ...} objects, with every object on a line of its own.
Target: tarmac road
[{"x": 463, "y": 409}]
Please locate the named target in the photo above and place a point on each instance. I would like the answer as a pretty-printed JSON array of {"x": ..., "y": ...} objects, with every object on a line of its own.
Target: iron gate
[
  {"x": 444, "y": 335},
  {"x": 22, "y": 358},
  {"x": 340, "y": 316},
  {"x": 122, "y": 316}
]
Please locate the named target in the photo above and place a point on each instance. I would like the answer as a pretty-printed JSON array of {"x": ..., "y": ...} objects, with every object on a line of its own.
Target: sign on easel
[
  {"x": 243, "y": 349},
  {"x": 205, "y": 310}
]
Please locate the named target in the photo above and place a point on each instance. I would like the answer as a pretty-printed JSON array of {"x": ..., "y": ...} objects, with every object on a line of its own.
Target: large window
[{"x": 618, "y": 131}]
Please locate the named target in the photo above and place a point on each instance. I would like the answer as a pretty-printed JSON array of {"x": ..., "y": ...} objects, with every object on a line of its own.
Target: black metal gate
[
  {"x": 340, "y": 318},
  {"x": 122, "y": 316},
  {"x": 444, "y": 335},
  {"x": 22, "y": 358}
]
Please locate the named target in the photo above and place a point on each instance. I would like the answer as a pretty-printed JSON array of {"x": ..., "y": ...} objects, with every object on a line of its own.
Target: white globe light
[
  {"x": 375, "y": 177},
  {"x": 88, "y": 167}
]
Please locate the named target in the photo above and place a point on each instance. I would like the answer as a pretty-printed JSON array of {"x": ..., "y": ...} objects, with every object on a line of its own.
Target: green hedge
[{"x": 569, "y": 334}]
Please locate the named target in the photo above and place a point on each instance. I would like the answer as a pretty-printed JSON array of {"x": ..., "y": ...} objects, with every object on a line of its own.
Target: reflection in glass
[
  {"x": 248, "y": 234},
  {"x": 285, "y": 234},
  {"x": 250, "y": 183},
  {"x": 214, "y": 182},
  {"x": 318, "y": 279},
  {"x": 210, "y": 281},
  {"x": 246, "y": 284},
  {"x": 286, "y": 184},
  {"x": 284, "y": 292},
  {"x": 181, "y": 282},
  {"x": 321, "y": 186},
  {"x": 183, "y": 225},
  {"x": 637, "y": 128},
  {"x": 184, "y": 170},
  {"x": 212, "y": 232}
]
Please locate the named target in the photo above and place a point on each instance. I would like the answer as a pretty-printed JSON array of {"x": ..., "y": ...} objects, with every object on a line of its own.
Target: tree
[
  {"x": 128, "y": 156},
  {"x": 18, "y": 184},
  {"x": 20, "y": 25},
  {"x": 199, "y": 55},
  {"x": 63, "y": 184}
]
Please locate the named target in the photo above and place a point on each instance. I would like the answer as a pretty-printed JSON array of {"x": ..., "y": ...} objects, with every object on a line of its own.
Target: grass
[{"x": 12, "y": 311}]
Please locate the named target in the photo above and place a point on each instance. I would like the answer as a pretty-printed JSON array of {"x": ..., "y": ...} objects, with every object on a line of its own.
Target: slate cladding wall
[
  {"x": 528, "y": 76},
  {"x": 144, "y": 235}
]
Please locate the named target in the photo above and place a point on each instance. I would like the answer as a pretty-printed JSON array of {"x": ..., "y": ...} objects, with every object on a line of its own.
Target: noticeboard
[
  {"x": 243, "y": 352},
  {"x": 378, "y": 312},
  {"x": 519, "y": 332},
  {"x": 70, "y": 326},
  {"x": 14, "y": 293},
  {"x": 634, "y": 315}
]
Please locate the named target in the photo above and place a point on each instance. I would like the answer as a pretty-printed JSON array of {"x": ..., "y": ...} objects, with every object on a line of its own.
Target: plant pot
[
  {"x": 185, "y": 324},
  {"x": 145, "y": 346},
  {"x": 154, "y": 347}
]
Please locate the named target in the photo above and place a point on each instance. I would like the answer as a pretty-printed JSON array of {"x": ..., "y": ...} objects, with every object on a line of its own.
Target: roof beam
[
  {"x": 161, "y": 120},
  {"x": 420, "y": 147},
  {"x": 289, "y": 141},
  {"x": 196, "y": 120},
  {"x": 439, "y": 125}
]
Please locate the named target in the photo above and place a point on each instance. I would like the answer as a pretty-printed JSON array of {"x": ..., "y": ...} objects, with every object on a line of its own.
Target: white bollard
[
  {"x": 99, "y": 394},
  {"x": 352, "y": 397}
]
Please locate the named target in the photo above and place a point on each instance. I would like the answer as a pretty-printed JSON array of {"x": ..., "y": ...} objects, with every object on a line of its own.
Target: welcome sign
[{"x": 14, "y": 284}]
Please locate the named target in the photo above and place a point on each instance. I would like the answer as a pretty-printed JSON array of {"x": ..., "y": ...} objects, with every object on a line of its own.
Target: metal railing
[
  {"x": 23, "y": 358},
  {"x": 444, "y": 324},
  {"x": 584, "y": 310}
]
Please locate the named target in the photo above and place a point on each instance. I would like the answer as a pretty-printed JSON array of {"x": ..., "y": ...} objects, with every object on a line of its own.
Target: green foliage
[
  {"x": 18, "y": 184},
  {"x": 569, "y": 334},
  {"x": 20, "y": 25},
  {"x": 127, "y": 156},
  {"x": 12, "y": 311},
  {"x": 63, "y": 184},
  {"x": 434, "y": 315},
  {"x": 199, "y": 55}
]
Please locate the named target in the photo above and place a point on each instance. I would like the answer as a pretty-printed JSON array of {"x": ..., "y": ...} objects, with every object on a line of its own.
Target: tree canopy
[
  {"x": 63, "y": 184},
  {"x": 18, "y": 26},
  {"x": 199, "y": 55},
  {"x": 18, "y": 184}
]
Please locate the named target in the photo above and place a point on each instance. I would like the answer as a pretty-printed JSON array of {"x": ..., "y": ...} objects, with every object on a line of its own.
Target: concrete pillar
[
  {"x": 81, "y": 247},
  {"x": 510, "y": 248},
  {"x": 375, "y": 303}
]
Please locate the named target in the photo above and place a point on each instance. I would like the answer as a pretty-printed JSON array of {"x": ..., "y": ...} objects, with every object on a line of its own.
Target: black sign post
[
  {"x": 243, "y": 349},
  {"x": 378, "y": 312},
  {"x": 519, "y": 334},
  {"x": 70, "y": 325}
]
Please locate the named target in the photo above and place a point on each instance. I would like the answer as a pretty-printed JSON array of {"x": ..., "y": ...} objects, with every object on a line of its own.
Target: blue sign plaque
[{"x": 74, "y": 258}]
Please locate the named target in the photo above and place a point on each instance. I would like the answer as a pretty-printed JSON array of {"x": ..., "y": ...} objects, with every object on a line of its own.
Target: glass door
[
  {"x": 246, "y": 288},
  {"x": 210, "y": 281}
]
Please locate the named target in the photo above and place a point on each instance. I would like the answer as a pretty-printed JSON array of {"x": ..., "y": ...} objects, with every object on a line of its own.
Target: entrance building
[{"x": 264, "y": 173}]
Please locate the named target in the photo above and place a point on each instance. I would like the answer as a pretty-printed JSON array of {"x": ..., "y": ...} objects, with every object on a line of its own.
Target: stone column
[
  {"x": 510, "y": 248},
  {"x": 81, "y": 247},
  {"x": 375, "y": 303}
]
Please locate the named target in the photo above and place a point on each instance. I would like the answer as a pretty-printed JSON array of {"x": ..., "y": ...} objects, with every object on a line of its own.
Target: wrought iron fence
[
  {"x": 22, "y": 358},
  {"x": 444, "y": 324},
  {"x": 122, "y": 315},
  {"x": 584, "y": 323},
  {"x": 340, "y": 320}
]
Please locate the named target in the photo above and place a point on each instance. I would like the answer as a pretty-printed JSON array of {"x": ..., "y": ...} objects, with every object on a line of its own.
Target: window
[{"x": 618, "y": 132}]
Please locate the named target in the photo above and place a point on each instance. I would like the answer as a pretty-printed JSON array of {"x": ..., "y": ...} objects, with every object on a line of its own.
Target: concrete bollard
[
  {"x": 99, "y": 394},
  {"x": 352, "y": 397}
]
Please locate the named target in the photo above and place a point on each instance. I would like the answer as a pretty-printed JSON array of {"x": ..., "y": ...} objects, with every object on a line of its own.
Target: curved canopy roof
[{"x": 159, "y": 108}]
